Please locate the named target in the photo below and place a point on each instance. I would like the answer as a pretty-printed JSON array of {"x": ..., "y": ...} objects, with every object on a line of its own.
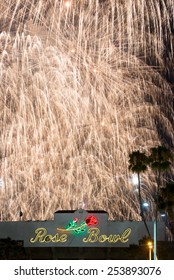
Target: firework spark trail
[{"x": 82, "y": 85}]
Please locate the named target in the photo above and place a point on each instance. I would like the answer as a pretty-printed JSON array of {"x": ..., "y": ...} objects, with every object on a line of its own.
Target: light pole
[
  {"x": 155, "y": 239},
  {"x": 145, "y": 204},
  {"x": 154, "y": 216},
  {"x": 137, "y": 182}
]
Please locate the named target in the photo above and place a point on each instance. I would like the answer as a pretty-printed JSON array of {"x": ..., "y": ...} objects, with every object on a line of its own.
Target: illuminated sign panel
[{"x": 78, "y": 229}]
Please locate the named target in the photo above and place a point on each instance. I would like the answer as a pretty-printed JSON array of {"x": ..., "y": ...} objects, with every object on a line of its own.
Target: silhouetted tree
[
  {"x": 138, "y": 163},
  {"x": 160, "y": 160}
]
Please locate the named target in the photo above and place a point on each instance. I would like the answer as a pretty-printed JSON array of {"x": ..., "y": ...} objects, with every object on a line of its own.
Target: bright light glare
[
  {"x": 163, "y": 214},
  {"x": 135, "y": 179},
  {"x": 145, "y": 204},
  {"x": 150, "y": 244}
]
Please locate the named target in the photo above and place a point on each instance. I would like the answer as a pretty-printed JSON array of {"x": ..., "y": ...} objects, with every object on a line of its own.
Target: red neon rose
[{"x": 91, "y": 220}]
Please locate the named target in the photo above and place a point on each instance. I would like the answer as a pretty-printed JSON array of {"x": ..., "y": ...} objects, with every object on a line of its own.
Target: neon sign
[
  {"x": 76, "y": 226},
  {"x": 94, "y": 236}
]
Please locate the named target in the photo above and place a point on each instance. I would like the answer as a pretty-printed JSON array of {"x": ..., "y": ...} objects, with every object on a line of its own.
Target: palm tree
[
  {"x": 160, "y": 160},
  {"x": 138, "y": 163}
]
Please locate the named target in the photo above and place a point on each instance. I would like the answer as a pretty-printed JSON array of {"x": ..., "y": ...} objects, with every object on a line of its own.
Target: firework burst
[{"x": 82, "y": 84}]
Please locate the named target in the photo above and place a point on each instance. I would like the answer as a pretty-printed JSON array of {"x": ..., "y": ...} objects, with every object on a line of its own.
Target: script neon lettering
[
  {"x": 94, "y": 236},
  {"x": 42, "y": 237}
]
